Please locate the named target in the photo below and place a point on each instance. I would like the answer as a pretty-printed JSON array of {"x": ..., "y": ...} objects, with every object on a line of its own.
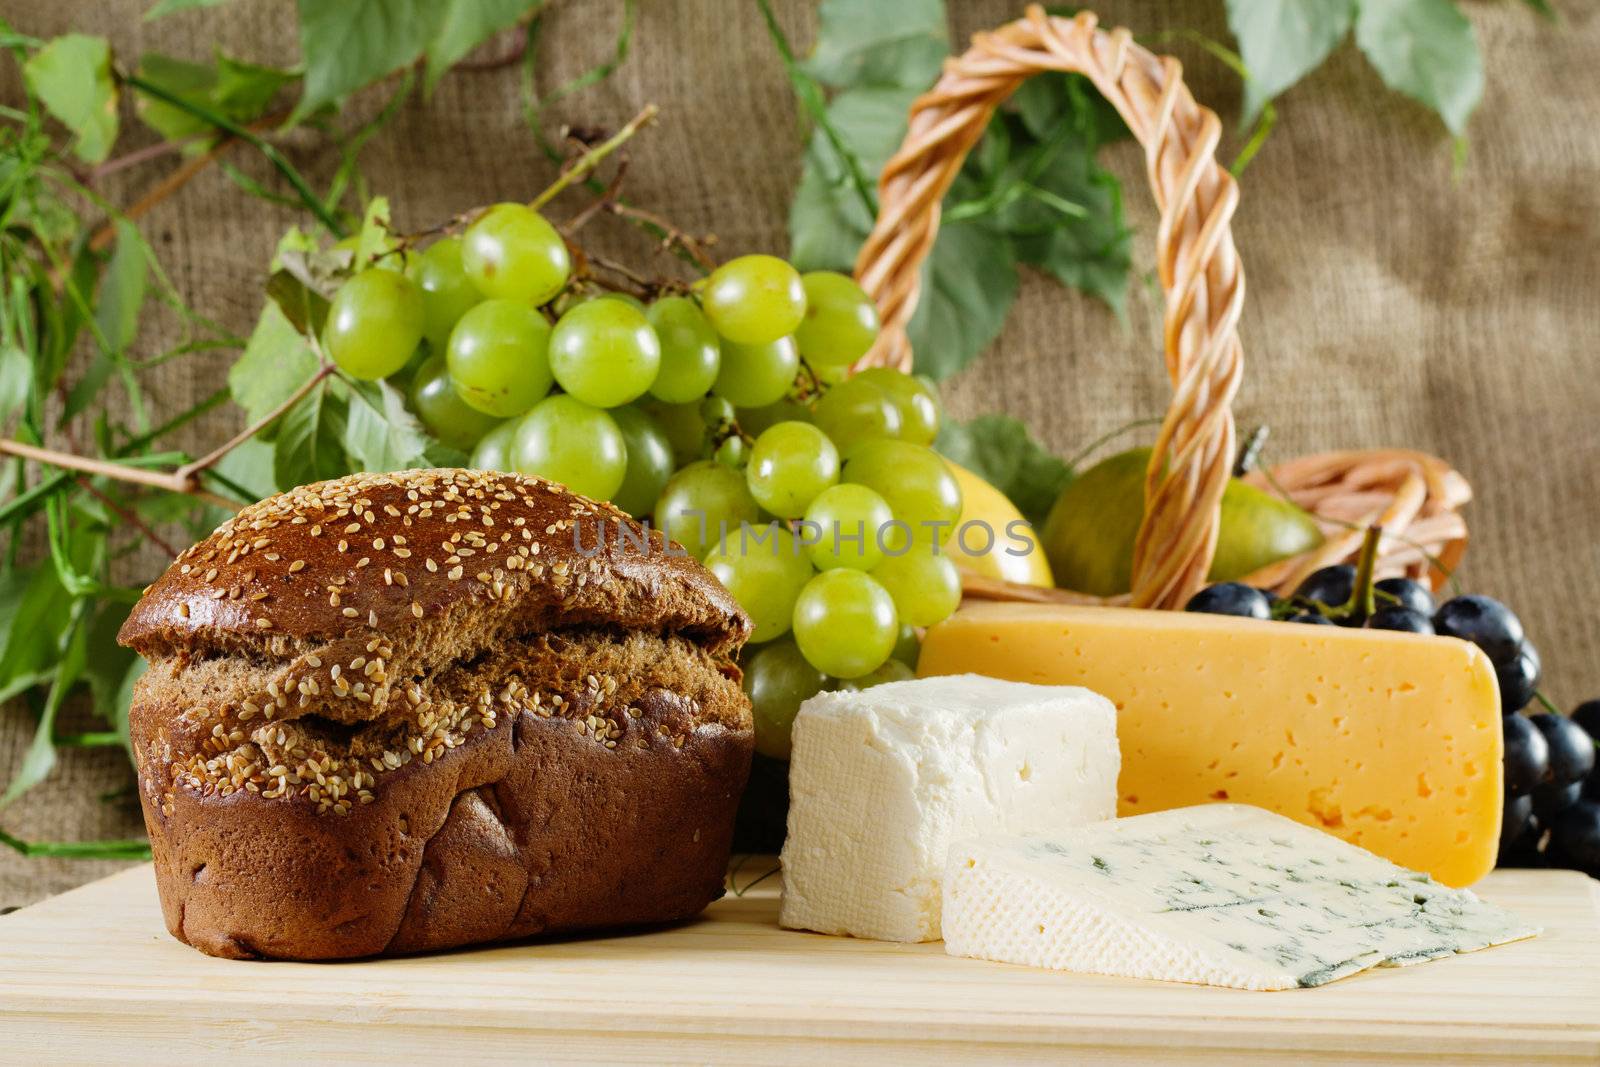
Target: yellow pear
[
  {"x": 983, "y": 503},
  {"x": 1089, "y": 533}
]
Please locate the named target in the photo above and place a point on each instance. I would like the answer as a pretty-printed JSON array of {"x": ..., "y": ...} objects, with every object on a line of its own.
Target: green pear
[{"x": 1089, "y": 533}]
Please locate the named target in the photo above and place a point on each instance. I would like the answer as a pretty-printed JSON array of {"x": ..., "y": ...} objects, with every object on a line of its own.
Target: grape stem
[
  {"x": 581, "y": 167},
  {"x": 189, "y": 472},
  {"x": 185, "y": 479}
]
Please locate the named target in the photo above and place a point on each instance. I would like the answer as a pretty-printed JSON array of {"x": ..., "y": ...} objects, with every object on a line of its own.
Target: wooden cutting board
[{"x": 91, "y": 976}]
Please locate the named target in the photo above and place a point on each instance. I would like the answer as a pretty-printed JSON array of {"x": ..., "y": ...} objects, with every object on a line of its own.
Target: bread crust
[{"x": 540, "y": 751}]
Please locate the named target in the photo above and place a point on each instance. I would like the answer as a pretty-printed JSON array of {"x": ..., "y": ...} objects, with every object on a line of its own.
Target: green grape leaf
[
  {"x": 1426, "y": 49},
  {"x": 309, "y": 445},
  {"x": 124, "y": 701},
  {"x": 241, "y": 91},
  {"x": 1044, "y": 101},
  {"x": 1000, "y": 450},
  {"x": 968, "y": 286},
  {"x": 167, "y": 7},
  {"x": 345, "y": 46},
  {"x": 1062, "y": 210},
  {"x": 16, "y": 380},
  {"x": 374, "y": 237},
  {"x": 305, "y": 308},
  {"x": 467, "y": 24},
  {"x": 381, "y": 434},
  {"x": 192, "y": 82},
  {"x": 827, "y": 221},
  {"x": 869, "y": 42},
  {"x": 122, "y": 287},
  {"x": 106, "y": 662},
  {"x": 245, "y": 90},
  {"x": 71, "y": 76},
  {"x": 1281, "y": 41},
  {"x": 276, "y": 361}
]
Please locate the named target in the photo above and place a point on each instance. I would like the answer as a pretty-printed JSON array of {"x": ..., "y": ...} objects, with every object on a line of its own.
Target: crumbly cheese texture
[
  {"x": 1222, "y": 894},
  {"x": 881, "y": 781},
  {"x": 1389, "y": 740}
]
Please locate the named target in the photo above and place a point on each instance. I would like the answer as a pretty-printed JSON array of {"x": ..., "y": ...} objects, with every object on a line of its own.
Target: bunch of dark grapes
[{"x": 1552, "y": 785}]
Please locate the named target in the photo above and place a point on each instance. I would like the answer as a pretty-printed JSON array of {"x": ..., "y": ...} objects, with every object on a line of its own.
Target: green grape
[
  {"x": 789, "y": 465},
  {"x": 684, "y": 426},
  {"x": 756, "y": 421},
  {"x": 447, "y": 292},
  {"x": 845, "y": 623},
  {"x": 847, "y": 520},
  {"x": 855, "y": 411},
  {"x": 604, "y": 353},
  {"x": 926, "y": 588},
  {"x": 752, "y": 376},
  {"x": 777, "y": 679},
  {"x": 913, "y": 397},
  {"x": 732, "y": 452},
  {"x": 702, "y": 503},
  {"x": 717, "y": 412},
  {"x": 918, "y": 486},
  {"x": 512, "y": 253},
  {"x": 572, "y": 300},
  {"x": 374, "y": 324},
  {"x": 494, "y": 451},
  {"x": 907, "y": 647},
  {"x": 567, "y": 441},
  {"x": 443, "y": 413},
  {"x": 690, "y": 355},
  {"x": 499, "y": 357},
  {"x": 649, "y": 461},
  {"x": 764, "y": 567},
  {"x": 891, "y": 671},
  {"x": 840, "y": 322},
  {"x": 754, "y": 300}
]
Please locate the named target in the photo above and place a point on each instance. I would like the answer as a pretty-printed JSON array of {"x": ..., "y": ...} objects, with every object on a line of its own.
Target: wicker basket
[{"x": 1415, "y": 497}]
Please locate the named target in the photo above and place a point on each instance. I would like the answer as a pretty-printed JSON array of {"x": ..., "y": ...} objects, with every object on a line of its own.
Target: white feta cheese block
[
  {"x": 882, "y": 781},
  {"x": 1222, "y": 894}
]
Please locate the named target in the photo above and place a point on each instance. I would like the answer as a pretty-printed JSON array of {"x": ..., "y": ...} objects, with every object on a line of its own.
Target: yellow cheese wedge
[{"x": 1389, "y": 740}]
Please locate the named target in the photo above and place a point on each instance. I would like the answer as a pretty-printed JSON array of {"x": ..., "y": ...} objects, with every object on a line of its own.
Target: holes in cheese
[{"x": 1389, "y": 740}]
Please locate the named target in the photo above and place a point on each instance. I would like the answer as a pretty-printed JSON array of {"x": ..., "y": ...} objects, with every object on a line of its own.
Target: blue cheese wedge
[
  {"x": 1222, "y": 894},
  {"x": 882, "y": 781}
]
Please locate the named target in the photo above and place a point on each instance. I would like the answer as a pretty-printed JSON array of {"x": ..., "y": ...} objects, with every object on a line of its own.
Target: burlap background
[{"x": 1392, "y": 301}]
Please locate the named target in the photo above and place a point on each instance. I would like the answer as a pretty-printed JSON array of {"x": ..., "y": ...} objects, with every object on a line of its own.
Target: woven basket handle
[{"x": 1198, "y": 267}]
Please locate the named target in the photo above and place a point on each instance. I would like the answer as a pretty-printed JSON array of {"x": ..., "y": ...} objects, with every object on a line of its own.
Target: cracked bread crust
[
  {"x": 574, "y": 805},
  {"x": 402, "y": 712}
]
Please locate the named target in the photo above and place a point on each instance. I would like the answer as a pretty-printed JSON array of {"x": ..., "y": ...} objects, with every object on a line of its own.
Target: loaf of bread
[{"x": 400, "y": 712}]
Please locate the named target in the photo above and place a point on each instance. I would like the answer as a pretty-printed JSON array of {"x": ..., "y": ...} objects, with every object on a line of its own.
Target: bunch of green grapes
[{"x": 822, "y": 508}]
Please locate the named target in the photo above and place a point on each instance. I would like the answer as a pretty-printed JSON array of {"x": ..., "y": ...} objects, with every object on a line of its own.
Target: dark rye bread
[{"x": 400, "y": 712}]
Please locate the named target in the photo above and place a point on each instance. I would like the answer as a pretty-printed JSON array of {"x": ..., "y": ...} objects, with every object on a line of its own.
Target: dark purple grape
[
  {"x": 1571, "y": 748},
  {"x": 1550, "y": 800},
  {"x": 1527, "y": 756},
  {"x": 1330, "y": 586},
  {"x": 1518, "y": 811},
  {"x": 1310, "y": 617},
  {"x": 1404, "y": 593},
  {"x": 1403, "y": 619},
  {"x": 1485, "y": 622},
  {"x": 1519, "y": 680},
  {"x": 1231, "y": 598},
  {"x": 1523, "y": 850},
  {"x": 1587, "y": 715},
  {"x": 1591, "y": 785},
  {"x": 1576, "y": 833}
]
